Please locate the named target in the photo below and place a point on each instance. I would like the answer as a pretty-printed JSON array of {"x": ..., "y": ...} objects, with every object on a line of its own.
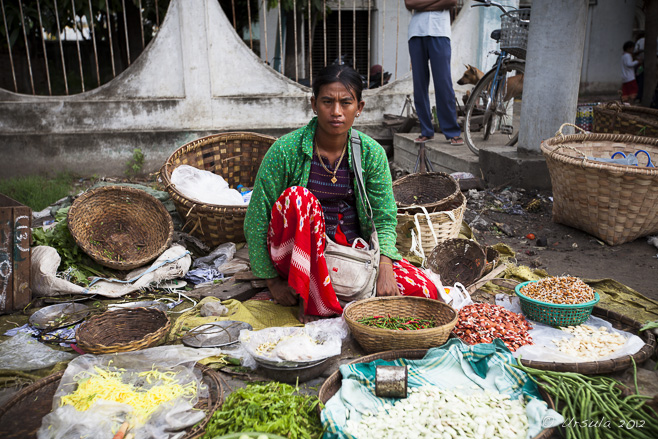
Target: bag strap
[{"x": 356, "y": 160}]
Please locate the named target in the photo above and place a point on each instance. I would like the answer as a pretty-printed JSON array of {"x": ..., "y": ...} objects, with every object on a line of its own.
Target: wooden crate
[{"x": 15, "y": 239}]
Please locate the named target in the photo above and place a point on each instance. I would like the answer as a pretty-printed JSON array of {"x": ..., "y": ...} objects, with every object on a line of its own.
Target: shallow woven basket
[
  {"x": 333, "y": 384},
  {"x": 445, "y": 224},
  {"x": 122, "y": 330},
  {"x": 458, "y": 260},
  {"x": 615, "y": 118},
  {"x": 432, "y": 190},
  {"x": 620, "y": 322},
  {"x": 616, "y": 203},
  {"x": 21, "y": 416},
  {"x": 236, "y": 157},
  {"x": 120, "y": 227},
  {"x": 378, "y": 339}
]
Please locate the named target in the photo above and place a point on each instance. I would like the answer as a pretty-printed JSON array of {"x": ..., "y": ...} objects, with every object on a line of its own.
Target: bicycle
[{"x": 490, "y": 117}]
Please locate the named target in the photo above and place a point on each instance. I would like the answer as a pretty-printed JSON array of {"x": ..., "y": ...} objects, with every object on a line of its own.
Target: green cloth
[
  {"x": 288, "y": 163},
  {"x": 455, "y": 364}
]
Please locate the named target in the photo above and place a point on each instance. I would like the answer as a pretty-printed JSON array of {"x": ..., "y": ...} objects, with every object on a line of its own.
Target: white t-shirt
[
  {"x": 627, "y": 68},
  {"x": 429, "y": 24}
]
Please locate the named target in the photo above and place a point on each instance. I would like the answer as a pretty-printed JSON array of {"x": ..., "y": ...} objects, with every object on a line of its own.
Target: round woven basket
[
  {"x": 432, "y": 190},
  {"x": 120, "y": 227},
  {"x": 378, "y": 339},
  {"x": 615, "y": 203},
  {"x": 123, "y": 330},
  {"x": 616, "y": 118},
  {"x": 458, "y": 260},
  {"x": 554, "y": 314},
  {"x": 236, "y": 157},
  {"x": 620, "y": 322},
  {"x": 20, "y": 417},
  {"x": 333, "y": 384}
]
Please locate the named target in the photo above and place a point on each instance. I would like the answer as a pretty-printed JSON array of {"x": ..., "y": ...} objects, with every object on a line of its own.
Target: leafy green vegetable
[
  {"x": 267, "y": 408},
  {"x": 650, "y": 325},
  {"x": 78, "y": 265}
]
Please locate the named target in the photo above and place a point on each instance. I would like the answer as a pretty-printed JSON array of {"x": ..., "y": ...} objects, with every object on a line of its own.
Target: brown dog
[{"x": 472, "y": 75}]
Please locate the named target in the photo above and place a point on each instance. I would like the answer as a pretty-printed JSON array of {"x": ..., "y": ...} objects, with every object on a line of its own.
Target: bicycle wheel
[{"x": 493, "y": 109}]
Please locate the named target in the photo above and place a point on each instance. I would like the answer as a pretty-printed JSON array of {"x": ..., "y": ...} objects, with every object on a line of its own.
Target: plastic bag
[
  {"x": 292, "y": 345},
  {"x": 23, "y": 352},
  {"x": 543, "y": 349},
  {"x": 456, "y": 296},
  {"x": 213, "y": 309},
  {"x": 216, "y": 258},
  {"x": 204, "y": 186},
  {"x": 165, "y": 422}
]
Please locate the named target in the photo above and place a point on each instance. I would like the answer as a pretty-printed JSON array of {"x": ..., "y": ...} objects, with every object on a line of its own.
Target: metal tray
[
  {"x": 59, "y": 316},
  {"x": 293, "y": 374},
  {"x": 215, "y": 334}
]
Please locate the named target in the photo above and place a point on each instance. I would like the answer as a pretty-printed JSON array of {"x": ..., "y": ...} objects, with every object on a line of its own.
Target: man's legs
[
  {"x": 421, "y": 78},
  {"x": 439, "y": 54}
]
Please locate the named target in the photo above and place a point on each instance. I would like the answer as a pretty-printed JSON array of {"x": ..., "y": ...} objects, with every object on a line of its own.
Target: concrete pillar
[{"x": 553, "y": 65}]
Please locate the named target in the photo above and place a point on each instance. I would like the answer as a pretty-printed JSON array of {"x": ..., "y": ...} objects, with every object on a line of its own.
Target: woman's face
[{"x": 336, "y": 108}]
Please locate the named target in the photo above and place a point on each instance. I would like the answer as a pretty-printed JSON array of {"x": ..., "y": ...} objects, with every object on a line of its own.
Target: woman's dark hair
[
  {"x": 342, "y": 73},
  {"x": 628, "y": 45}
]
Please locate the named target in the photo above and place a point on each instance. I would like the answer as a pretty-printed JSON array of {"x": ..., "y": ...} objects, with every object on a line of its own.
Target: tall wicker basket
[
  {"x": 615, "y": 118},
  {"x": 236, "y": 157},
  {"x": 616, "y": 203}
]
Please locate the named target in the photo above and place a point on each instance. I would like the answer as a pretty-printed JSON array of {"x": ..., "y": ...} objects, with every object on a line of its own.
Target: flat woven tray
[
  {"x": 334, "y": 382},
  {"x": 21, "y": 416},
  {"x": 620, "y": 322}
]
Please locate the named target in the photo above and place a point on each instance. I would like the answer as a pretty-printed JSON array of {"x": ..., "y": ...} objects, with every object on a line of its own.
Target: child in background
[{"x": 629, "y": 84}]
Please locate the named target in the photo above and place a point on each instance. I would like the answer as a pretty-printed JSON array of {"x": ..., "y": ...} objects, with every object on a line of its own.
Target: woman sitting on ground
[{"x": 306, "y": 187}]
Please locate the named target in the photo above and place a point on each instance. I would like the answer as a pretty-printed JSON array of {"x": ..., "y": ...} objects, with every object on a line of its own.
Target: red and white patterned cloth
[{"x": 296, "y": 242}]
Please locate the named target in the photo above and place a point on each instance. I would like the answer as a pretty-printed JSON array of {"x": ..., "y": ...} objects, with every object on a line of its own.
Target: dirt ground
[{"x": 502, "y": 216}]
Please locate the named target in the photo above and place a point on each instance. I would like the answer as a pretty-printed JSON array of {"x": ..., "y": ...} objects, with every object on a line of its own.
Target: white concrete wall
[{"x": 610, "y": 24}]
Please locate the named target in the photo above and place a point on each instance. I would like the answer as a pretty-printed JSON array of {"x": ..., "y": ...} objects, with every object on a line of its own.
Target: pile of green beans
[
  {"x": 397, "y": 323},
  {"x": 595, "y": 406},
  {"x": 272, "y": 407}
]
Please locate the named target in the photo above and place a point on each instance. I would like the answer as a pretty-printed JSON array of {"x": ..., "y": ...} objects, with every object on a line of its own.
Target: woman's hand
[
  {"x": 282, "y": 293},
  {"x": 386, "y": 284}
]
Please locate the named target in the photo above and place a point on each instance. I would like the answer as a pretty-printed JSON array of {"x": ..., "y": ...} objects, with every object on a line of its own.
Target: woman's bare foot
[{"x": 305, "y": 318}]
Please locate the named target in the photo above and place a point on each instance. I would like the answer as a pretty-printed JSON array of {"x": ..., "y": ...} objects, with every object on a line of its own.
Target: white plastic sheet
[
  {"x": 543, "y": 349},
  {"x": 104, "y": 417},
  {"x": 313, "y": 342},
  {"x": 204, "y": 186},
  {"x": 24, "y": 352}
]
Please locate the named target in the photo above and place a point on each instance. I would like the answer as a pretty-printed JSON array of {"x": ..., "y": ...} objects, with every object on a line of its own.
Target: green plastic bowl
[{"x": 554, "y": 314}]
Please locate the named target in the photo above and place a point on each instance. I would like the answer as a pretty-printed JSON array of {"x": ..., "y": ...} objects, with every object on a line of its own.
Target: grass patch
[{"x": 37, "y": 192}]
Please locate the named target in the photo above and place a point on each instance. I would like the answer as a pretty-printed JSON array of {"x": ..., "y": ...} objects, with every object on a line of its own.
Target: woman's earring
[
  {"x": 358, "y": 114},
  {"x": 315, "y": 112}
]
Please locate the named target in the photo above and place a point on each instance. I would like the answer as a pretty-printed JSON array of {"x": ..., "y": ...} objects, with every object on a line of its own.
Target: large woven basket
[
  {"x": 616, "y": 118},
  {"x": 620, "y": 322},
  {"x": 434, "y": 191},
  {"x": 458, "y": 260},
  {"x": 122, "y": 330},
  {"x": 333, "y": 384},
  {"x": 378, "y": 339},
  {"x": 21, "y": 416},
  {"x": 616, "y": 203},
  {"x": 120, "y": 227},
  {"x": 234, "y": 156},
  {"x": 429, "y": 229}
]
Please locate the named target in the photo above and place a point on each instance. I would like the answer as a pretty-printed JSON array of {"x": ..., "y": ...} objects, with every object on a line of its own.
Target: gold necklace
[{"x": 333, "y": 174}]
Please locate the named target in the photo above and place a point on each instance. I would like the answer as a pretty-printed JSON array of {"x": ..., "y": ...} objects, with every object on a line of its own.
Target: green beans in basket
[{"x": 397, "y": 323}]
